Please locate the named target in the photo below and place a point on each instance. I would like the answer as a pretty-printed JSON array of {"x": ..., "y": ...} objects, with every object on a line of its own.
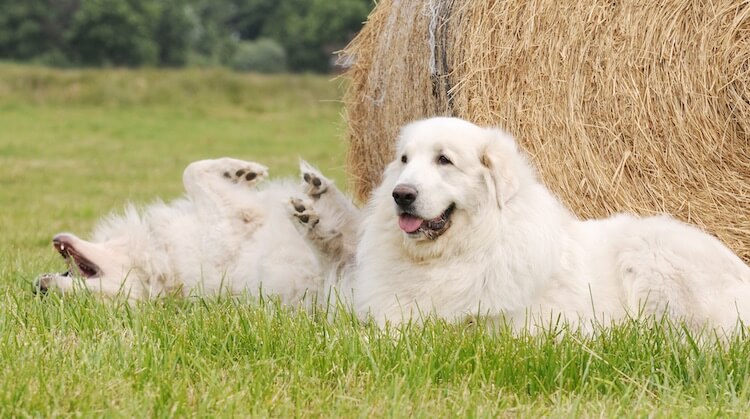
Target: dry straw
[{"x": 639, "y": 106}]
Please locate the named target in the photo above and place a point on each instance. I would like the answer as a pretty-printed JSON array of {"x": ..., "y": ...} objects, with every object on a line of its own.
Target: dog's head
[
  {"x": 104, "y": 262},
  {"x": 111, "y": 257},
  {"x": 449, "y": 172}
]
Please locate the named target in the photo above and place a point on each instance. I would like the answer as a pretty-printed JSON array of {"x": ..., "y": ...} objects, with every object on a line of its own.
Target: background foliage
[{"x": 174, "y": 33}]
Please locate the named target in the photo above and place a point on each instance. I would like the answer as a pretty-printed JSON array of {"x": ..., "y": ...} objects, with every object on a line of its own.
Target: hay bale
[{"x": 622, "y": 105}]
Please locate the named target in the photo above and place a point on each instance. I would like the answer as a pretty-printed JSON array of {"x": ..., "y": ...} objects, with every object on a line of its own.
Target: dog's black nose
[
  {"x": 40, "y": 285},
  {"x": 404, "y": 195}
]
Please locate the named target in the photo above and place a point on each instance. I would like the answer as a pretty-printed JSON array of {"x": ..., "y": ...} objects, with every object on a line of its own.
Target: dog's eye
[
  {"x": 404, "y": 159},
  {"x": 444, "y": 160}
]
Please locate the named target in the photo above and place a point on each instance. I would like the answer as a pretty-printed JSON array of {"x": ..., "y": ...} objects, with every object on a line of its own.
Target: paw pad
[
  {"x": 249, "y": 173},
  {"x": 315, "y": 184},
  {"x": 304, "y": 213}
]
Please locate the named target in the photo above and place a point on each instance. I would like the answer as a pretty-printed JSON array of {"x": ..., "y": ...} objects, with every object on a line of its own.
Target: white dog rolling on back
[
  {"x": 461, "y": 226},
  {"x": 225, "y": 236}
]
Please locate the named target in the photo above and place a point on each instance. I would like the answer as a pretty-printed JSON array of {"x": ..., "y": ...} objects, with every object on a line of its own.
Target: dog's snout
[{"x": 404, "y": 195}]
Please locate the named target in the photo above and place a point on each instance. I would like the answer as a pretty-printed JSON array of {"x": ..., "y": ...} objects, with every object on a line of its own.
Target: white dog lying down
[
  {"x": 461, "y": 226},
  {"x": 225, "y": 236}
]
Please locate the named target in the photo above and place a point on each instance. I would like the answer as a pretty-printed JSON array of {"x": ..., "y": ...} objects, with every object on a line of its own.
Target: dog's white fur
[
  {"x": 225, "y": 236},
  {"x": 513, "y": 251}
]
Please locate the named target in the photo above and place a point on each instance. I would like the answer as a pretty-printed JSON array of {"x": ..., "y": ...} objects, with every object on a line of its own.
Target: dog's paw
[
  {"x": 243, "y": 172},
  {"x": 304, "y": 212},
  {"x": 42, "y": 283},
  {"x": 314, "y": 183}
]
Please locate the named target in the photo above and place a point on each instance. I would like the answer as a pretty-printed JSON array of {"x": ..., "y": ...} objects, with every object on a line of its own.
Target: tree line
[{"x": 256, "y": 35}]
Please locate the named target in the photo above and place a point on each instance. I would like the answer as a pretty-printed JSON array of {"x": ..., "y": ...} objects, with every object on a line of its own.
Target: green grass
[{"x": 75, "y": 145}]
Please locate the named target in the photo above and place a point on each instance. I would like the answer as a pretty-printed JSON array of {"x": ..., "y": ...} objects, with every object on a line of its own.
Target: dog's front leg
[
  {"x": 328, "y": 221},
  {"x": 328, "y": 243},
  {"x": 335, "y": 209}
]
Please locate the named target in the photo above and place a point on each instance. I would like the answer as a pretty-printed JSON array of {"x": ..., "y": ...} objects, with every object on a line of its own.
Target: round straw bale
[{"x": 622, "y": 105}]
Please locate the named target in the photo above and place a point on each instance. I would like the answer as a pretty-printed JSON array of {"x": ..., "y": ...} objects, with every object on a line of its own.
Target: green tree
[
  {"x": 311, "y": 30},
  {"x": 251, "y": 16},
  {"x": 114, "y": 32},
  {"x": 29, "y": 29},
  {"x": 175, "y": 32},
  {"x": 214, "y": 41}
]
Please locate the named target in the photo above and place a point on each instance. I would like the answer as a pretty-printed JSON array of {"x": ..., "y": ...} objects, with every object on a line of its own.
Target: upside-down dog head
[{"x": 113, "y": 256}]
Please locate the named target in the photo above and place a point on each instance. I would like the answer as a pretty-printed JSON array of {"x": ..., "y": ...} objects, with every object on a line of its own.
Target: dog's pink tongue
[{"x": 409, "y": 223}]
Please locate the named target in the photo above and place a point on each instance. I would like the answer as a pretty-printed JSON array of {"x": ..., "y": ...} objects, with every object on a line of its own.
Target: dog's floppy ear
[{"x": 498, "y": 157}]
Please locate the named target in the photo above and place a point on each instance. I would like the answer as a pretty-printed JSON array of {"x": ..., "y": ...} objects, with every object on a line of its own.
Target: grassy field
[{"x": 75, "y": 145}]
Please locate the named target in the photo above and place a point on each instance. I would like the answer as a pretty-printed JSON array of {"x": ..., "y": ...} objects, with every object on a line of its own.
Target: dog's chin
[{"x": 418, "y": 228}]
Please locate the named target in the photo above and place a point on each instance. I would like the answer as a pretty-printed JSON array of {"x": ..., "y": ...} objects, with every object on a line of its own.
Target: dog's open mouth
[
  {"x": 432, "y": 229},
  {"x": 77, "y": 263}
]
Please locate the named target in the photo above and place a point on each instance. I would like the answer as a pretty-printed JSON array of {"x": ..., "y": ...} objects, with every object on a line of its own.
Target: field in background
[{"x": 75, "y": 145}]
